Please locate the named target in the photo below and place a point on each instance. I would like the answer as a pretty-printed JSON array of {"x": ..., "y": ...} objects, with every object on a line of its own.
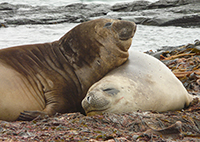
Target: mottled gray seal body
[
  {"x": 142, "y": 83},
  {"x": 43, "y": 79}
]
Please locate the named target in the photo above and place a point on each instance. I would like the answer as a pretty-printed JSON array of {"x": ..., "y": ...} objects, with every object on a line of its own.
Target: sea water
[{"x": 146, "y": 37}]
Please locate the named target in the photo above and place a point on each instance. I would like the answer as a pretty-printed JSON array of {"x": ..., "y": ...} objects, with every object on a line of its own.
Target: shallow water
[{"x": 146, "y": 37}]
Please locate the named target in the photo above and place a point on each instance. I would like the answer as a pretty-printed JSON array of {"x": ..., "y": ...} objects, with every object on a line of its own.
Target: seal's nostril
[{"x": 88, "y": 99}]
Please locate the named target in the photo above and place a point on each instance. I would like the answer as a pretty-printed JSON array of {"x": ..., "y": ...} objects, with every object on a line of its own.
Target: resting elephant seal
[
  {"x": 142, "y": 83},
  {"x": 43, "y": 79}
]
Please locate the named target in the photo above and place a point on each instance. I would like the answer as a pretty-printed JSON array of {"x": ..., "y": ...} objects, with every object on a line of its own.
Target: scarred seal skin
[
  {"x": 142, "y": 83},
  {"x": 43, "y": 79}
]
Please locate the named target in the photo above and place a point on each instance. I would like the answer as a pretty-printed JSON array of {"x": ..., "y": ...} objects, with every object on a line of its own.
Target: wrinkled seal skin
[
  {"x": 142, "y": 83},
  {"x": 43, "y": 79}
]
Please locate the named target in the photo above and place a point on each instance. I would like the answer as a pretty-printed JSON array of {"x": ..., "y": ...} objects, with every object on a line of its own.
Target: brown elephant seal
[
  {"x": 43, "y": 79},
  {"x": 142, "y": 83}
]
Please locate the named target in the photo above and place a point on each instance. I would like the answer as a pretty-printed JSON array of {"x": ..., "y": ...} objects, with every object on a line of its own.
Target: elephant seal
[
  {"x": 43, "y": 79},
  {"x": 142, "y": 83}
]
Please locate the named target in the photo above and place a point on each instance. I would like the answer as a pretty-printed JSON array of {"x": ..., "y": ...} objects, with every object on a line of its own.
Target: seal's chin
[
  {"x": 95, "y": 112},
  {"x": 92, "y": 113},
  {"x": 125, "y": 38}
]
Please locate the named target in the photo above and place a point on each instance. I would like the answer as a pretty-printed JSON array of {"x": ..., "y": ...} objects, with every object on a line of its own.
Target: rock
[
  {"x": 24, "y": 14},
  {"x": 170, "y": 3},
  {"x": 162, "y": 13},
  {"x": 133, "y": 6},
  {"x": 88, "y": 10},
  {"x": 6, "y": 6},
  {"x": 167, "y": 13},
  {"x": 185, "y": 21},
  {"x": 183, "y": 13}
]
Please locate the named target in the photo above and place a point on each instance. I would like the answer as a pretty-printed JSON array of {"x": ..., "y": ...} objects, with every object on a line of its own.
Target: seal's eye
[
  {"x": 108, "y": 24},
  {"x": 112, "y": 91}
]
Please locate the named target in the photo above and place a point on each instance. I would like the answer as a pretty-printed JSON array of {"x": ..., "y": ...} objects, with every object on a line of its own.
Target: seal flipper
[
  {"x": 30, "y": 115},
  {"x": 50, "y": 110},
  {"x": 53, "y": 105}
]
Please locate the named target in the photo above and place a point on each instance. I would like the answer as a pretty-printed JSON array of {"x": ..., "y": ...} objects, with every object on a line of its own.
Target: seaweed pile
[{"x": 136, "y": 126}]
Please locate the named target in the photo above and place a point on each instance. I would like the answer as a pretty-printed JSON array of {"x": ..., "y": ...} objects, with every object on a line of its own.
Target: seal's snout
[
  {"x": 94, "y": 101},
  {"x": 89, "y": 97},
  {"x": 88, "y": 101},
  {"x": 125, "y": 29},
  {"x": 135, "y": 27}
]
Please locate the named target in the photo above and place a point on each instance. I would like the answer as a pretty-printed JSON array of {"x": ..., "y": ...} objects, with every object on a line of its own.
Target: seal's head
[
  {"x": 120, "y": 31},
  {"x": 108, "y": 39},
  {"x": 107, "y": 95}
]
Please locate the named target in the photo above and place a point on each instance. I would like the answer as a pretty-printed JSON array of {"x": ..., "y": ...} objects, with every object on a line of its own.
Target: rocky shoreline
[{"x": 185, "y": 13}]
